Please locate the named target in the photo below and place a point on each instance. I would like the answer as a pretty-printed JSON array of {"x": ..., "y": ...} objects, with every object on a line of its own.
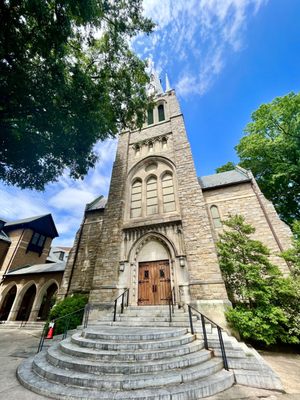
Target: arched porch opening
[
  {"x": 48, "y": 301},
  {"x": 7, "y": 303},
  {"x": 26, "y": 304}
]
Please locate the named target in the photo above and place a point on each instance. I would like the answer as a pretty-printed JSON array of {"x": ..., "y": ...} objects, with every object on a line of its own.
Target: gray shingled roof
[
  {"x": 39, "y": 269},
  {"x": 25, "y": 220},
  {"x": 42, "y": 223},
  {"x": 97, "y": 204},
  {"x": 224, "y": 178}
]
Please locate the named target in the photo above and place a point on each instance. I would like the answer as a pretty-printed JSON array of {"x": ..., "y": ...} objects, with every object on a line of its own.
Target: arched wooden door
[{"x": 154, "y": 283}]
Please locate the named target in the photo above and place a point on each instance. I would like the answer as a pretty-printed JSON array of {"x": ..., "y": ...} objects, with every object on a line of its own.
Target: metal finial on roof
[{"x": 168, "y": 86}]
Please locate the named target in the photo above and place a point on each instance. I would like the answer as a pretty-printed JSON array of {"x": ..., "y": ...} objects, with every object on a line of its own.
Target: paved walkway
[{"x": 15, "y": 345}]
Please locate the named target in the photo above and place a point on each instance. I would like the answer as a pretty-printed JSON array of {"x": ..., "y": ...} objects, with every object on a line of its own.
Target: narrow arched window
[
  {"x": 168, "y": 192},
  {"x": 214, "y": 211},
  {"x": 136, "y": 199},
  {"x": 151, "y": 196},
  {"x": 161, "y": 113},
  {"x": 150, "y": 147},
  {"x": 150, "y": 118}
]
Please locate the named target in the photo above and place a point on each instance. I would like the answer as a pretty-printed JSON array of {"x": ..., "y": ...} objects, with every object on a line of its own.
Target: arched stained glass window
[
  {"x": 168, "y": 192},
  {"x": 161, "y": 113},
  {"x": 136, "y": 199},
  {"x": 215, "y": 216},
  {"x": 151, "y": 196}
]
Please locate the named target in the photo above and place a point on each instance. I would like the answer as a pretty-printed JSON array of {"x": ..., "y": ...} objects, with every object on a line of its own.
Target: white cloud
[
  {"x": 65, "y": 199},
  {"x": 197, "y": 37}
]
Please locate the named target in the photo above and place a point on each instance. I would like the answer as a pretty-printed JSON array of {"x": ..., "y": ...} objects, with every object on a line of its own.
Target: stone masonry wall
[
  {"x": 104, "y": 287},
  {"x": 242, "y": 199},
  {"x": 80, "y": 268}
]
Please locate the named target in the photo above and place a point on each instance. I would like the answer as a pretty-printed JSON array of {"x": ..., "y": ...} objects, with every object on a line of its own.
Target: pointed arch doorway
[{"x": 154, "y": 275}]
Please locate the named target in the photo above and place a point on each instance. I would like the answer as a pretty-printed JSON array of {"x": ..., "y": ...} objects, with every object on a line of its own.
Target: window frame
[
  {"x": 37, "y": 243},
  {"x": 159, "y": 114},
  {"x": 217, "y": 223}
]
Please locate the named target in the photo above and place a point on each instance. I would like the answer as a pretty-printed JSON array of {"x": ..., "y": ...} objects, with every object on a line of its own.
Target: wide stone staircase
[{"x": 142, "y": 355}]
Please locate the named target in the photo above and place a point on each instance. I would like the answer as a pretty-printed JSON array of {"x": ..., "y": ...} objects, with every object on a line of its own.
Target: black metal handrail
[
  {"x": 126, "y": 292},
  {"x": 172, "y": 302},
  {"x": 66, "y": 317},
  {"x": 203, "y": 318}
]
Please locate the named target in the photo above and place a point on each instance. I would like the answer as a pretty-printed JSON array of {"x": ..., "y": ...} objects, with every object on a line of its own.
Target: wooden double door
[{"x": 154, "y": 283}]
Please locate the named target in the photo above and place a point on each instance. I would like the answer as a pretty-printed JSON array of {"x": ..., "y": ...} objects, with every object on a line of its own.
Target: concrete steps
[
  {"x": 143, "y": 356},
  {"x": 160, "y": 363}
]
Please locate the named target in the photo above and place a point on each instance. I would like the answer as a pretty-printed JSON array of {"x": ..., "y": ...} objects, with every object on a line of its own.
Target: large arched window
[
  {"x": 161, "y": 113},
  {"x": 151, "y": 196},
  {"x": 215, "y": 216},
  {"x": 136, "y": 199},
  {"x": 168, "y": 192}
]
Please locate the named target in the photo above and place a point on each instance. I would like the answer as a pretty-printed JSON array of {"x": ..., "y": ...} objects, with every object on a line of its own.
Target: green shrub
[
  {"x": 67, "y": 306},
  {"x": 266, "y": 307}
]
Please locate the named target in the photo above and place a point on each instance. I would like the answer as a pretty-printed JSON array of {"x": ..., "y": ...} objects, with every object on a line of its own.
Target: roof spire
[
  {"x": 155, "y": 84},
  {"x": 168, "y": 86}
]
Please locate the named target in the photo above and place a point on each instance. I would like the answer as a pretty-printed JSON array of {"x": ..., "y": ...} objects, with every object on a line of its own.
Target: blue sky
[{"x": 224, "y": 58}]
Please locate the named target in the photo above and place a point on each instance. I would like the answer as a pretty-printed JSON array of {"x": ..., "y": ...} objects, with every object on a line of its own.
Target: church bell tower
[{"x": 156, "y": 236}]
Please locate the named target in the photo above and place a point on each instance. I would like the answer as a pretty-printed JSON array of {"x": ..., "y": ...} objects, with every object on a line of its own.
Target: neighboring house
[
  {"x": 30, "y": 271},
  {"x": 156, "y": 232}
]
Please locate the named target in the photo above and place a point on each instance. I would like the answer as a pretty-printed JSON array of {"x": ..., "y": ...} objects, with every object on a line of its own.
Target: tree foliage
[
  {"x": 226, "y": 167},
  {"x": 292, "y": 255},
  {"x": 266, "y": 304},
  {"x": 68, "y": 78},
  {"x": 67, "y": 306},
  {"x": 271, "y": 150}
]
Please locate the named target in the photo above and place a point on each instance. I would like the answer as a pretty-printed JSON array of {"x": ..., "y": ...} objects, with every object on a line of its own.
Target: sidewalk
[{"x": 15, "y": 345}]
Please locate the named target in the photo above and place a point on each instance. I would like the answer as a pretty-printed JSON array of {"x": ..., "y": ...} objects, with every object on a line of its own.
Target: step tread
[
  {"x": 192, "y": 390},
  {"x": 112, "y": 345},
  {"x": 56, "y": 357},
  {"x": 112, "y": 333},
  {"x": 66, "y": 346},
  {"x": 117, "y": 381}
]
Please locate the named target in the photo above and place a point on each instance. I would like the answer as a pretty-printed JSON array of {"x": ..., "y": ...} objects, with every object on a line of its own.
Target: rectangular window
[{"x": 36, "y": 243}]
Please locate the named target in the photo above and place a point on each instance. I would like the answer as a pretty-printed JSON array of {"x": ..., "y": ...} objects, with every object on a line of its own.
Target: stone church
[{"x": 157, "y": 230}]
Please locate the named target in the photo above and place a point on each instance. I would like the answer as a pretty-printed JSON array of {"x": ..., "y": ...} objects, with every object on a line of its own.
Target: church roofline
[
  {"x": 236, "y": 176},
  {"x": 98, "y": 203}
]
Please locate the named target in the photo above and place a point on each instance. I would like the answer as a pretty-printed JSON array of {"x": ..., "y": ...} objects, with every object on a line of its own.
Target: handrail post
[
  {"x": 42, "y": 339},
  {"x": 204, "y": 332},
  {"x": 127, "y": 298},
  {"x": 66, "y": 328},
  {"x": 122, "y": 303},
  {"x": 115, "y": 310},
  {"x": 222, "y": 348},
  {"x": 191, "y": 319},
  {"x": 174, "y": 295},
  {"x": 170, "y": 310},
  {"x": 86, "y": 315}
]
